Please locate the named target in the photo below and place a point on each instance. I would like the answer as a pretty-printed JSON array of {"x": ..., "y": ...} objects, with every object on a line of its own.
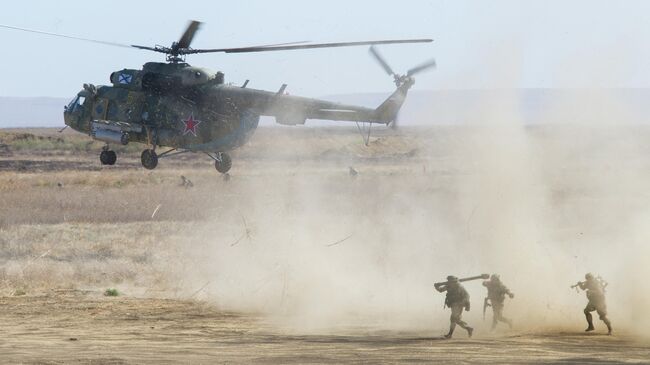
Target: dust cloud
[{"x": 317, "y": 250}]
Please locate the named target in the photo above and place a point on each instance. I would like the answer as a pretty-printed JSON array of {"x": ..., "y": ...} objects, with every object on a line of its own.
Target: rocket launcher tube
[{"x": 482, "y": 276}]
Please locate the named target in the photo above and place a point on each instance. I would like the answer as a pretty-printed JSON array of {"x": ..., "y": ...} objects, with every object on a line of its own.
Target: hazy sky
[{"x": 478, "y": 44}]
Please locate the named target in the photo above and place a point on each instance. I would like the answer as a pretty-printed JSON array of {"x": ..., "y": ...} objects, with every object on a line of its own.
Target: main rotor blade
[
  {"x": 190, "y": 51},
  {"x": 425, "y": 66},
  {"x": 187, "y": 37},
  {"x": 308, "y": 46},
  {"x": 381, "y": 60},
  {"x": 159, "y": 49},
  {"x": 182, "y": 46},
  {"x": 67, "y": 36}
]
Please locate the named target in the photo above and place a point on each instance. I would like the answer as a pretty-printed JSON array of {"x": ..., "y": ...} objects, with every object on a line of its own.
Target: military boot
[
  {"x": 452, "y": 327},
  {"x": 590, "y": 322},
  {"x": 609, "y": 326}
]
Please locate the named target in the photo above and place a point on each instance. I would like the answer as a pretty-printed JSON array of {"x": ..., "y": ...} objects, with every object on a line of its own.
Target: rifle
[
  {"x": 486, "y": 303},
  {"x": 577, "y": 285},
  {"x": 483, "y": 276}
]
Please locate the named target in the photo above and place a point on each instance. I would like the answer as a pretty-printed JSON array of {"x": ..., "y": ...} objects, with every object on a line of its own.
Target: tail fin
[{"x": 388, "y": 110}]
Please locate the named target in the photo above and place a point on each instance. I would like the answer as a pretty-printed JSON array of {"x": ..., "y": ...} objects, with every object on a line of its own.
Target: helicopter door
[
  {"x": 151, "y": 110},
  {"x": 134, "y": 107}
]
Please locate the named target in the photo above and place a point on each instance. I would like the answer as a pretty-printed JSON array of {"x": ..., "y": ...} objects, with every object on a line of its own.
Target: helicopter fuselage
[
  {"x": 191, "y": 109},
  {"x": 114, "y": 115},
  {"x": 165, "y": 111}
]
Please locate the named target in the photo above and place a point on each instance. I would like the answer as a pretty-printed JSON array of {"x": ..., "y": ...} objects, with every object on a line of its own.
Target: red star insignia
[{"x": 190, "y": 125}]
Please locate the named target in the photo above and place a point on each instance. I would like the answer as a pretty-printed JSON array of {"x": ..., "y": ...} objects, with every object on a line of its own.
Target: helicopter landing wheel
[
  {"x": 223, "y": 162},
  {"x": 108, "y": 157},
  {"x": 149, "y": 159}
]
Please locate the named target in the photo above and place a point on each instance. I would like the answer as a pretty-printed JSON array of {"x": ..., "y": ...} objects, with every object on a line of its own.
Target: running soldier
[
  {"x": 595, "y": 288},
  {"x": 496, "y": 295},
  {"x": 458, "y": 300}
]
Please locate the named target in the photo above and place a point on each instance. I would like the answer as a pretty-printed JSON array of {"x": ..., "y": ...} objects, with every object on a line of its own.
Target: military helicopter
[{"x": 191, "y": 109}]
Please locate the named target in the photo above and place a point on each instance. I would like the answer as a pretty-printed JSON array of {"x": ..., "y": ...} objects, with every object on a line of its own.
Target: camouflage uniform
[
  {"x": 497, "y": 295},
  {"x": 457, "y": 299},
  {"x": 596, "y": 297}
]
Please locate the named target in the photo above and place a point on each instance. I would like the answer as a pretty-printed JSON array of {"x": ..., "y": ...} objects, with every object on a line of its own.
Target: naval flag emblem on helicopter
[
  {"x": 125, "y": 79},
  {"x": 190, "y": 124}
]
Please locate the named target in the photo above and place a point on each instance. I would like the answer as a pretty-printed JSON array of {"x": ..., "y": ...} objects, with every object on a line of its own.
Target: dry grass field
[{"x": 293, "y": 259}]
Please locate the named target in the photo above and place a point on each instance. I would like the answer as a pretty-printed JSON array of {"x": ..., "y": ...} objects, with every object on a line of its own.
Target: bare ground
[
  {"x": 63, "y": 326},
  {"x": 70, "y": 228}
]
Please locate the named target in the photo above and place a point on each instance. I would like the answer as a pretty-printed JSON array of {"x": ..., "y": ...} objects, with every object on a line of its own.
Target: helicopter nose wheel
[
  {"x": 149, "y": 159},
  {"x": 222, "y": 162},
  {"x": 108, "y": 157}
]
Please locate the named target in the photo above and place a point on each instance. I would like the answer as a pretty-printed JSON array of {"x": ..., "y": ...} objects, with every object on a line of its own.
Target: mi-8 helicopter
[{"x": 191, "y": 109}]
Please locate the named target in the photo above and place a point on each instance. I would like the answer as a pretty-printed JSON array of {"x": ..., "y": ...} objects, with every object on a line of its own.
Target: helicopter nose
[{"x": 67, "y": 115}]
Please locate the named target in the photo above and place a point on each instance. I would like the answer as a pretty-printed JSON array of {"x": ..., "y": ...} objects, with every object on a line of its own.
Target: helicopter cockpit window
[
  {"x": 72, "y": 103},
  {"x": 76, "y": 103},
  {"x": 80, "y": 102}
]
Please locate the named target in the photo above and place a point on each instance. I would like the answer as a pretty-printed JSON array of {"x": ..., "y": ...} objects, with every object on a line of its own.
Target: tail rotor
[
  {"x": 422, "y": 67},
  {"x": 398, "y": 79},
  {"x": 406, "y": 80}
]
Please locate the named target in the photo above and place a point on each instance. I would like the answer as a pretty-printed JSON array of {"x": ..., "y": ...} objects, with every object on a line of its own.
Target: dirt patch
[
  {"x": 5, "y": 151},
  {"x": 68, "y": 326}
]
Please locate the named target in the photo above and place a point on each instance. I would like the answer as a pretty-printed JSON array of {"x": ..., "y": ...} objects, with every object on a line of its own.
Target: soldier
[
  {"x": 457, "y": 299},
  {"x": 596, "y": 295},
  {"x": 497, "y": 295}
]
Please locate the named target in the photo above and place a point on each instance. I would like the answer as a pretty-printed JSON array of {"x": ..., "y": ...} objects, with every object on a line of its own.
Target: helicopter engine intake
[{"x": 127, "y": 79}]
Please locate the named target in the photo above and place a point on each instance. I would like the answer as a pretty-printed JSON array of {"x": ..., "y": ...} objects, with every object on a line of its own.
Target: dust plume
[{"x": 318, "y": 250}]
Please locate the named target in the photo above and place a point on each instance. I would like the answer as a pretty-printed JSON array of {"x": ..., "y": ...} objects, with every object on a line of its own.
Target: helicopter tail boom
[{"x": 294, "y": 110}]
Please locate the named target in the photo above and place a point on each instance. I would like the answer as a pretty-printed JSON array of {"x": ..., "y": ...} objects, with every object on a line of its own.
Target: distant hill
[
  {"x": 16, "y": 112},
  {"x": 530, "y": 106}
]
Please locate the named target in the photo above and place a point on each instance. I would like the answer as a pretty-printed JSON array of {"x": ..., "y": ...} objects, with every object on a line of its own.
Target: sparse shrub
[
  {"x": 111, "y": 292},
  {"x": 19, "y": 292}
]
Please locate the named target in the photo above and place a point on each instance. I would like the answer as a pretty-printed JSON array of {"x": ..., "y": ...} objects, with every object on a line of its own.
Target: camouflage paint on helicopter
[{"x": 191, "y": 109}]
